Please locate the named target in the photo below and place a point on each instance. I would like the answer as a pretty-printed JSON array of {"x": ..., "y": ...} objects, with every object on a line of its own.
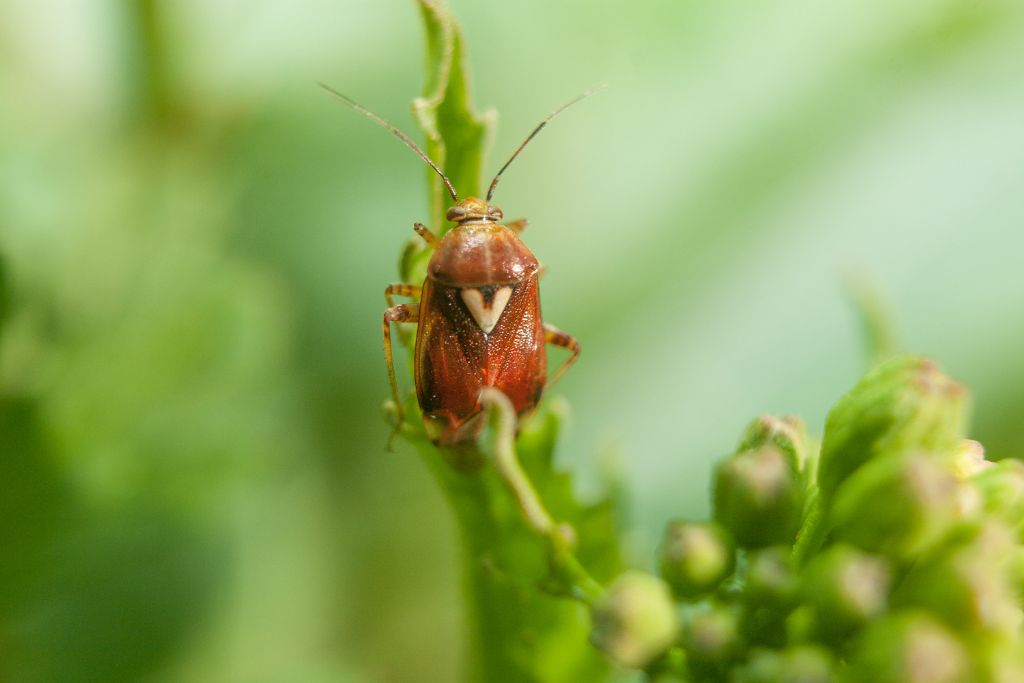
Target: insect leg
[
  {"x": 403, "y": 313},
  {"x": 401, "y": 289},
  {"x": 517, "y": 226},
  {"x": 555, "y": 337},
  {"x": 428, "y": 236}
]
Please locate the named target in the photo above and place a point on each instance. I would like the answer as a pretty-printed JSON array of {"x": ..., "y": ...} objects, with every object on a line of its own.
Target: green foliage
[
  {"x": 522, "y": 627},
  {"x": 913, "y": 573},
  {"x": 138, "y": 365},
  {"x": 135, "y": 360}
]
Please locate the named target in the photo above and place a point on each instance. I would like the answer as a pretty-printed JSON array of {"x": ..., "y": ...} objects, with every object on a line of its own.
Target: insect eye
[
  {"x": 456, "y": 213},
  {"x": 496, "y": 215}
]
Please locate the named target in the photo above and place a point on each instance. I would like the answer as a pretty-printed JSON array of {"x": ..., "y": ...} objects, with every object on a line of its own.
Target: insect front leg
[
  {"x": 403, "y": 313},
  {"x": 555, "y": 337},
  {"x": 429, "y": 237}
]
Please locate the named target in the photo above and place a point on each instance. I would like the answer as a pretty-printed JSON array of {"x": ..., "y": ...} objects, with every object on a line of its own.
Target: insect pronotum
[{"x": 478, "y": 310}]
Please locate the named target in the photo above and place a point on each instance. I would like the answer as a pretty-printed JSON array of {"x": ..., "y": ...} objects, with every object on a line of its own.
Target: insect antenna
[
  {"x": 397, "y": 133},
  {"x": 582, "y": 95}
]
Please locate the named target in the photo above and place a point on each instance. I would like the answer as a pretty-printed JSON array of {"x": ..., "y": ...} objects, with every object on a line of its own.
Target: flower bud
[
  {"x": 844, "y": 588},
  {"x": 769, "y": 594},
  {"x": 1002, "y": 662},
  {"x": 904, "y": 404},
  {"x": 695, "y": 558},
  {"x": 1002, "y": 493},
  {"x": 771, "y": 579},
  {"x": 758, "y": 497},
  {"x": 799, "y": 664},
  {"x": 897, "y": 506},
  {"x": 909, "y": 648},
  {"x": 635, "y": 621},
  {"x": 970, "y": 585},
  {"x": 711, "y": 636},
  {"x": 969, "y": 459},
  {"x": 787, "y": 433}
]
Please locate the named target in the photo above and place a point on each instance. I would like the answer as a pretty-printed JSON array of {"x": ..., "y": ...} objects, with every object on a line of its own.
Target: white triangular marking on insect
[{"x": 486, "y": 314}]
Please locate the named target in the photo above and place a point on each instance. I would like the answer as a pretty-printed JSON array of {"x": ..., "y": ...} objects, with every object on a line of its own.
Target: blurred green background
[{"x": 194, "y": 240}]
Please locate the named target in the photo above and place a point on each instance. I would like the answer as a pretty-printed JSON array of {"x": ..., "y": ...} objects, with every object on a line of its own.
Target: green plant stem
[
  {"x": 565, "y": 567},
  {"x": 507, "y": 464},
  {"x": 147, "y": 60},
  {"x": 511, "y": 626},
  {"x": 518, "y": 564}
]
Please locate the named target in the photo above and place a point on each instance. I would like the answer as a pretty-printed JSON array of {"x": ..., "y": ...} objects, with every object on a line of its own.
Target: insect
[{"x": 478, "y": 311}]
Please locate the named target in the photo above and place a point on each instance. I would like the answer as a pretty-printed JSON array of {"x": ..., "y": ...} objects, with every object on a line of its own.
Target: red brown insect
[{"x": 478, "y": 314}]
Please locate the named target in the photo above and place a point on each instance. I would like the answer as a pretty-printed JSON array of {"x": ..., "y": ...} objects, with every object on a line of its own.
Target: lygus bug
[{"x": 478, "y": 315}]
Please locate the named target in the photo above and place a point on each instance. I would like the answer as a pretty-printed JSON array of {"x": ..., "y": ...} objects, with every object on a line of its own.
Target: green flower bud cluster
[{"x": 892, "y": 553}]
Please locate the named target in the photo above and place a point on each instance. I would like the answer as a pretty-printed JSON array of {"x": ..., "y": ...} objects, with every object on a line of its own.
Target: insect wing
[
  {"x": 451, "y": 354},
  {"x": 516, "y": 354},
  {"x": 455, "y": 359}
]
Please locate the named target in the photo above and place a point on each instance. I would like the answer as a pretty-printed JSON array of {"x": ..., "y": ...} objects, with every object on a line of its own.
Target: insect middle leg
[
  {"x": 555, "y": 337},
  {"x": 403, "y": 313},
  {"x": 429, "y": 237},
  {"x": 401, "y": 289}
]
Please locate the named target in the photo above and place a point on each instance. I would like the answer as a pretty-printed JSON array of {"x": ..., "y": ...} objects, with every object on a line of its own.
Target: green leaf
[{"x": 457, "y": 136}]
